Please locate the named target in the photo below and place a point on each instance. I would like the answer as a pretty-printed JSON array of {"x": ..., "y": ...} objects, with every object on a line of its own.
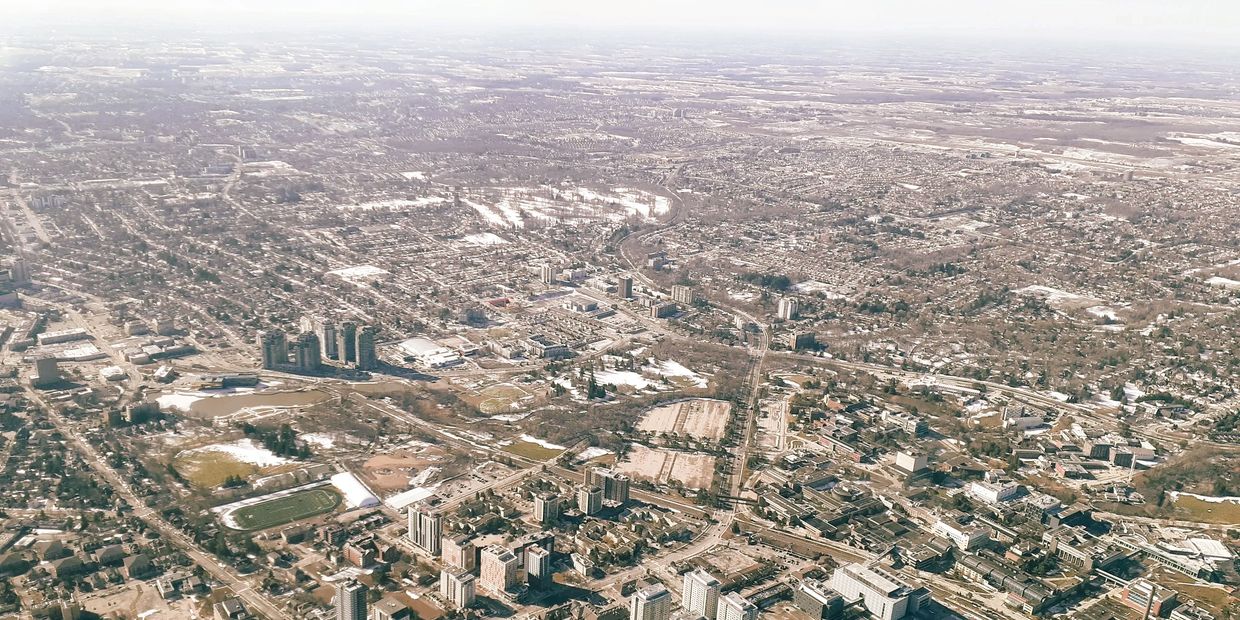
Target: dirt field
[
  {"x": 659, "y": 466},
  {"x": 500, "y": 398},
  {"x": 227, "y": 405},
  {"x": 134, "y": 598},
  {"x": 702, "y": 418},
  {"x": 392, "y": 471}
]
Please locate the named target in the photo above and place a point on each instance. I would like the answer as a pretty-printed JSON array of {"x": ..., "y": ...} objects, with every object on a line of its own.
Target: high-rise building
[
  {"x": 816, "y": 599},
  {"x": 625, "y": 287},
  {"x": 546, "y": 508},
  {"x": 537, "y": 567},
  {"x": 426, "y": 528},
  {"x": 274, "y": 347},
  {"x": 457, "y": 586},
  {"x": 883, "y": 594},
  {"x": 789, "y": 308},
  {"x": 683, "y": 295},
  {"x": 547, "y": 271},
  {"x": 367, "y": 356},
  {"x": 307, "y": 354},
  {"x": 615, "y": 486},
  {"x": 459, "y": 551},
  {"x": 20, "y": 271},
  {"x": 700, "y": 595},
  {"x": 733, "y": 606},
  {"x": 46, "y": 370},
  {"x": 650, "y": 603},
  {"x": 347, "y": 347},
  {"x": 350, "y": 600},
  {"x": 498, "y": 570},
  {"x": 329, "y": 340},
  {"x": 590, "y": 499}
]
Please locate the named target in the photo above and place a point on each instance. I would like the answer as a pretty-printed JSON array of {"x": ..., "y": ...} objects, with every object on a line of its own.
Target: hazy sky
[{"x": 1153, "y": 21}]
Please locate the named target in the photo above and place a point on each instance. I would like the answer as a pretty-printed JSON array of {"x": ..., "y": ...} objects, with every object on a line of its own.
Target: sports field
[{"x": 285, "y": 509}]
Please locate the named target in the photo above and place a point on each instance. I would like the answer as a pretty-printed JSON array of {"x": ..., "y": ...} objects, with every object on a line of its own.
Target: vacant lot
[
  {"x": 499, "y": 399},
  {"x": 694, "y": 471},
  {"x": 205, "y": 470},
  {"x": 285, "y": 509},
  {"x": 531, "y": 450},
  {"x": 702, "y": 418}
]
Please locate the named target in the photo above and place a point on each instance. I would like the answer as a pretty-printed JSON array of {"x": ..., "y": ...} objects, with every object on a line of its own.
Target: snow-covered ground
[
  {"x": 482, "y": 239},
  {"x": 672, "y": 368},
  {"x": 541, "y": 442},
  {"x": 412, "y": 496},
  {"x": 1226, "y": 283},
  {"x": 245, "y": 451},
  {"x": 591, "y": 453},
  {"x": 180, "y": 401},
  {"x": 395, "y": 204},
  {"x": 359, "y": 274}
]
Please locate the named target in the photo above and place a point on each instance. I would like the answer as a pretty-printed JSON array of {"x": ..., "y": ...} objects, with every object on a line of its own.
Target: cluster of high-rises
[
  {"x": 701, "y": 597},
  {"x": 349, "y": 344}
]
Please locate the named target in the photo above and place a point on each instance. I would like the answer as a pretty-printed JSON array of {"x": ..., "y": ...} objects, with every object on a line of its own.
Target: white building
[
  {"x": 652, "y": 603},
  {"x": 883, "y": 594},
  {"x": 967, "y": 537},
  {"x": 700, "y": 594},
  {"x": 457, "y": 586},
  {"x": 912, "y": 462},
  {"x": 789, "y": 308},
  {"x": 350, "y": 601},
  {"x": 426, "y": 528},
  {"x": 736, "y": 607},
  {"x": 994, "y": 492}
]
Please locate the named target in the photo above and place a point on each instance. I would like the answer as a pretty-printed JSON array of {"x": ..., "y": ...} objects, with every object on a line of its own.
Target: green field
[{"x": 285, "y": 509}]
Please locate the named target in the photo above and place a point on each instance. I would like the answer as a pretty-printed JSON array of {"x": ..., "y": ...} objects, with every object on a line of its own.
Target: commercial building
[
  {"x": 350, "y": 601},
  {"x": 498, "y": 569},
  {"x": 789, "y": 308},
  {"x": 883, "y": 594},
  {"x": 912, "y": 462},
  {"x": 819, "y": 601},
  {"x": 546, "y": 508},
  {"x": 426, "y": 528},
  {"x": 651, "y": 603},
  {"x": 700, "y": 595},
  {"x": 994, "y": 492},
  {"x": 457, "y": 586},
  {"x": 389, "y": 608},
  {"x": 736, "y": 607},
  {"x": 537, "y": 567},
  {"x": 967, "y": 537},
  {"x": 590, "y": 499}
]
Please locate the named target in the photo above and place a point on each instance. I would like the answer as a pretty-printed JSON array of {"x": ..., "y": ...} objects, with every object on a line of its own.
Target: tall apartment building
[
  {"x": 426, "y": 528},
  {"x": 547, "y": 272},
  {"x": 459, "y": 552},
  {"x": 537, "y": 567},
  {"x": 816, "y": 599},
  {"x": 329, "y": 339},
  {"x": 625, "y": 287},
  {"x": 546, "y": 508},
  {"x": 736, "y": 607},
  {"x": 615, "y": 486},
  {"x": 350, "y": 600},
  {"x": 307, "y": 354},
  {"x": 274, "y": 347},
  {"x": 347, "y": 347},
  {"x": 457, "y": 586},
  {"x": 789, "y": 308},
  {"x": 367, "y": 355},
  {"x": 683, "y": 295},
  {"x": 700, "y": 594},
  {"x": 590, "y": 499},
  {"x": 46, "y": 370},
  {"x": 498, "y": 569},
  {"x": 651, "y": 603}
]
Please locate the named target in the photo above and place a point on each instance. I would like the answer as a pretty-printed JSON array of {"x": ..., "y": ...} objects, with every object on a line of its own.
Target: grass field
[
  {"x": 500, "y": 398},
  {"x": 207, "y": 470},
  {"x": 532, "y": 450},
  {"x": 1227, "y": 513},
  {"x": 285, "y": 509}
]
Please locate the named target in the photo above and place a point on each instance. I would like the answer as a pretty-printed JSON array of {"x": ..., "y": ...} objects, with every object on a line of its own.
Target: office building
[
  {"x": 650, "y": 603},
  {"x": 538, "y": 567},
  {"x": 274, "y": 347},
  {"x": 700, "y": 595},
  {"x": 881, "y": 593},
  {"x": 367, "y": 356},
  {"x": 816, "y": 599},
  {"x": 458, "y": 586},
  {"x": 498, "y": 569},
  {"x": 546, "y": 508},
  {"x": 347, "y": 347},
  {"x": 46, "y": 370},
  {"x": 789, "y": 308},
  {"x": 590, "y": 499},
  {"x": 615, "y": 486},
  {"x": 307, "y": 353},
  {"x": 426, "y": 528},
  {"x": 736, "y": 607},
  {"x": 625, "y": 286},
  {"x": 683, "y": 295},
  {"x": 20, "y": 272},
  {"x": 1148, "y": 598},
  {"x": 460, "y": 552},
  {"x": 389, "y": 608},
  {"x": 350, "y": 601}
]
